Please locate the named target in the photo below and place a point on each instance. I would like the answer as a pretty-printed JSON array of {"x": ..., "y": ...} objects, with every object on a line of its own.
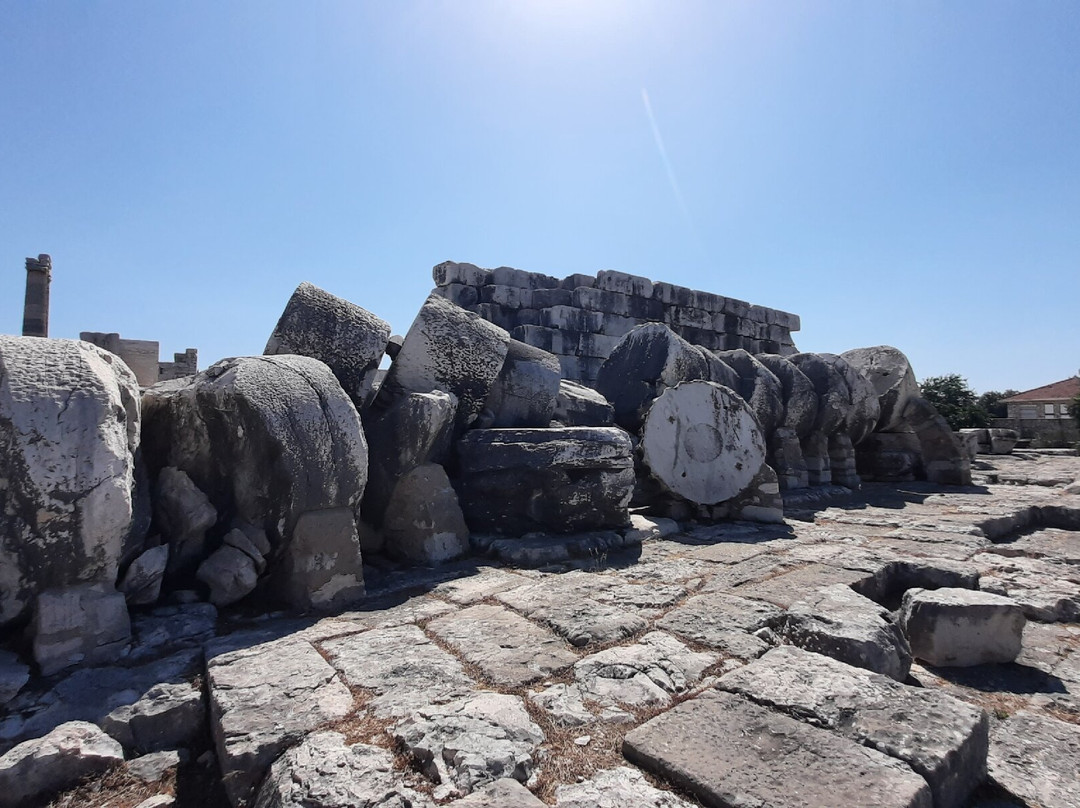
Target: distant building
[
  {"x": 1043, "y": 414},
  {"x": 141, "y": 355}
]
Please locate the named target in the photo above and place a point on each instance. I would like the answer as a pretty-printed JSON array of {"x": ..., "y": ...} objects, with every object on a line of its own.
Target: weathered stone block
[
  {"x": 423, "y": 521},
  {"x": 86, "y": 623},
  {"x": 546, "y": 298},
  {"x": 578, "y": 405},
  {"x": 508, "y": 276},
  {"x": 571, "y": 318},
  {"x": 672, "y": 295},
  {"x": 613, "y": 281},
  {"x": 459, "y": 294},
  {"x": 572, "y": 282},
  {"x": 511, "y": 297},
  {"x": 962, "y": 627},
  {"x": 321, "y": 567},
  {"x": 469, "y": 274}
]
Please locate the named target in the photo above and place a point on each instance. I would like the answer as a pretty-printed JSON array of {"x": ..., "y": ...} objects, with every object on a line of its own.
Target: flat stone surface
[
  {"x": 588, "y": 621},
  {"x": 622, "y": 787},
  {"x": 727, "y": 751},
  {"x": 1036, "y": 758},
  {"x": 472, "y": 741},
  {"x": 509, "y": 649},
  {"x": 504, "y": 793},
  {"x": 484, "y": 583},
  {"x": 941, "y": 738},
  {"x": 724, "y": 622},
  {"x": 648, "y": 673},
  {"x": 264, "y": 699},
  {"x": 1047, "y": 590},
  {"x": 404, "y": 668},
  {"x": 786, "y": 588}
]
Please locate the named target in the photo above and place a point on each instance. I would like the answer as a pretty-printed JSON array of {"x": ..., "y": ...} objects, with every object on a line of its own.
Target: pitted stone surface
[
  {"x": 728, "y": 751},
  {"x": 402, "y": 666},
  {"x": 1036, "y": 758},
  {"x": 724, "y": 622},
  {"x": 940, "y": 737},
  {"x": 648, "y": 673},
  {"x": 509, "y": 649},
  {"x": 473, "y": 741},
  {"x": 623, "y": 787},
  {"x": 262, "y": 700}
]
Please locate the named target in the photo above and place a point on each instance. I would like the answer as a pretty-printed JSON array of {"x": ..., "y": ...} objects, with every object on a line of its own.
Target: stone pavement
[{"x": 655, "y": 678}]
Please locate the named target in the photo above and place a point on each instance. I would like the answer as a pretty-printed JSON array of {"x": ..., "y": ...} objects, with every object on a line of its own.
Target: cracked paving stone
[
  {"x": 785, "y": 589},
  {"x": 510, "y": 650},
  {"x": 724, "y": 622},
  {"x": 486, "y": 582},
  {"x": 622, "y": 787}
]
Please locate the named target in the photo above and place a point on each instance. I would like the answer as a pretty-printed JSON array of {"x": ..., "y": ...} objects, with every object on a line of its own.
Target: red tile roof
[{"x": 1064, "y": 390}]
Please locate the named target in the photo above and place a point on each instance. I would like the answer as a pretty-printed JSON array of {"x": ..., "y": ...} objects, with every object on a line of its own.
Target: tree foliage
[
  {"x": 955, "y": 400},
  {"x": 1074, "y": 409},
  {"x": 990, "y": 403}
]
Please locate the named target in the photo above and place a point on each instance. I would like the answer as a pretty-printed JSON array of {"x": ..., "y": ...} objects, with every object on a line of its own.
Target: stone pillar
[{"x": 36, "y": 307}]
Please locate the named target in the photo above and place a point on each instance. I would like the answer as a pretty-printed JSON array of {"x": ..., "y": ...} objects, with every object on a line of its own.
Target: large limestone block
[
  {"x": 514, "y": 481},
  {"x": 449, "y": 272},
  {"x": 800, "y": 397},
  {"x": 578, "y": 405},
  {"x": 423, "y": 521},
  {"x": 833, "y": 394},
  {"x": 1036, "y": 758},
  {"x": 410, "y": 430},
  {"x": 759, "y": 387},
  {"x": 525, "y": 391},
  {"x": 942, "y": 738},
  {"x": 944, "y": 459},
  {"x": 702, "y": 442},
  {"x": 184, "y": 514},
  {"x": 86, "y": 624},
  {"x": 349, "y": 339},
  {"x": 453, "y": 350},
  {"x": 42, "y": 767},
  {"x": 727, "y": 751},
  {"x": 321, "y": 568},
  {"x": 889, "y": 456},
  {"x": 890, "y": 372},
  {"x": 267, "y": 438},
  {"x": 865, "y": 409},
  {"x": 962, "y": 627},
  {"x": 264, "y": 699},
  {"x": 838, "y": 622},
  {"x": 647, "y": 361},
  {"x": 69, "y": 431}
]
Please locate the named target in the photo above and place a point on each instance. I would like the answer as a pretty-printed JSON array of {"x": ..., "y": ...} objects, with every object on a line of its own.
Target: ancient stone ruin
[{"x": 578, "y": 529}]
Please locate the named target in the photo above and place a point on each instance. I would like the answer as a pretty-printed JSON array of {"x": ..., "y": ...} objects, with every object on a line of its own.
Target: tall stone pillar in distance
[{"x": 36, "y": 307}]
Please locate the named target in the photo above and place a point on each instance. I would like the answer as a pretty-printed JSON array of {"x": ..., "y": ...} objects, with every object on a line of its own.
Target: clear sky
[{"x": 904, "y": 173}]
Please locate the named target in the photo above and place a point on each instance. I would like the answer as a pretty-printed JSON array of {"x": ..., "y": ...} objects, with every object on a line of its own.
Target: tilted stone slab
[
  {"x": 264, "y": 699},
  {"x": 942, "y": 738},
  {"x": 1036, "y": 758},
  {"x": 402, "y": 666},
  {"x": 789, "y": 587},
  {"x": 349, "y": 339},
  {"x": 724, "y": 622},
  {"x": 731, "y": 753},
  {"x": 840, "y": 623},
  {"x": 509, "y": 649}
]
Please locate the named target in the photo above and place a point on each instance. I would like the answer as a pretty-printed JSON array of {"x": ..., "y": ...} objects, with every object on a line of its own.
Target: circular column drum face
[{"x": 702, "y": 442}]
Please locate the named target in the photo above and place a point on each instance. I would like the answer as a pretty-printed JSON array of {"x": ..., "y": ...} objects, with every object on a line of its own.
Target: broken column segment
[
  {"x": 513, "y": 481},
  {"x": 525, "y": 391},
  {"x": 833, "y": 412},
  {"x": 800, "y": 413},
  {"x": 349, "y": 339},
  {"x": 889, "y": 371},
  {"x": 450, "y": 349},
  {"x": 702, "y": 442}
]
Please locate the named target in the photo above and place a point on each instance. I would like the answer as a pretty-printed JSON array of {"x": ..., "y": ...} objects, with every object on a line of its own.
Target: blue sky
[{"x": 901, "y": 173}]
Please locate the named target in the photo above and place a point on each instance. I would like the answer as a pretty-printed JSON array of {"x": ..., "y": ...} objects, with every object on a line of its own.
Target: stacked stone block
[{"x": 580, "y": 318}]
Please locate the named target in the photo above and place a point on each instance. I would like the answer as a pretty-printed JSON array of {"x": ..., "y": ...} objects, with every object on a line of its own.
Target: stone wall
[
  {"x": 1042, "y": 432},
  {"x": 141, "y": 355},
  {"x": 183, "y": 364},
  {"x": 36, "y": 304},
  {"x": 581, "y": 318}
]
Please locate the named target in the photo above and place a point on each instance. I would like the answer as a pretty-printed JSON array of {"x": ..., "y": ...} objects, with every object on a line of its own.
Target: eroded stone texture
[
  {"x": 263, "y": 699},
  {"x": 759, "y": 387},
  {"x": 727, "y": 751},
  {"x": 450, "y": 349},
  {"x": 267, "y": 438},
  {"x": 514, "y": 481},
  {"x": 86, "y": 624},
  {"x": 724, "y": 622},
  {"x": 423, "y": 522},
  {"x": 865, "y": 408},
  {"x": 503, "y": 793},
  {"x": 702, "y": 442},
  {"x": 1036, "y": 758},
  {"x": 325, "y": 771},
  {"x": 347, "y": 338},
  {"x": 509, "y": 649},
  {"x": 840, "y": 623},
  {"x": 184, "y": 514},
  {"x": 890, "y": 372},
  {"x": 943, "y": 457},
  {"x": 69, "y": 431},
  {"x": 44, "y": 766},
  {"x": 524, "y": 393},
  {"x": 321, "y": 567},
  {"x": 473, "y": 741},
  {"x": 578, "y": 405},
  {"x": 941, "y": 738},
  {"x": 623, "y": 787}
]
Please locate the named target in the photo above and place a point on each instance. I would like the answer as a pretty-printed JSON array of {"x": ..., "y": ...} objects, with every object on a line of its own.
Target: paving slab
[
  {"x": 1036, "y": 758},
  {"x": 724, "y": 622},
  {"x": 1046, "y": 589},
  {"x": 403, "y": 667},
  {"x": 510, "y": 650},
  {"x": 729, "y": 752},
  {"x": 622, "y": 787},
  {"x": 378, "y": 615},
  {"x": 785, "y": 589},
  {"x": 487, "y": 581},
  {"x": 647, "y": 673},
  {"x": 942, "y": 738},
  {"x": 264, "y": 699}
]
